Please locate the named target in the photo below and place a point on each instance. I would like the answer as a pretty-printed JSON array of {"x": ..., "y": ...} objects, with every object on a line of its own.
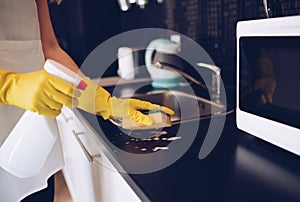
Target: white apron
[{"x": 21, "y": 51}]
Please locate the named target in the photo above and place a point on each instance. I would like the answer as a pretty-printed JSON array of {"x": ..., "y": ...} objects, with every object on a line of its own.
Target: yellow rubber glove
[
  {"x": 107, "y": 106},
  {"x": 37, "y": 91}
]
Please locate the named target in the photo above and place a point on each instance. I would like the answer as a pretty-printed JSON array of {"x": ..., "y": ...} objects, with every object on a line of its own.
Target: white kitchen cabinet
[
  {"x": 88, "y": 181},
  {"x": 110, "y": 184},
  {"x": 77, "y": 170}
]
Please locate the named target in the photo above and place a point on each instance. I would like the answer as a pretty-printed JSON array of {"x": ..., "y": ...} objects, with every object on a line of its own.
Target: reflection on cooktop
[{"x": 145, "y": 141}]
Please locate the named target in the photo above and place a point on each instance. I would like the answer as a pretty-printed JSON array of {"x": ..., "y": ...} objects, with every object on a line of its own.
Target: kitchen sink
[{"x": 187, "y": 107}]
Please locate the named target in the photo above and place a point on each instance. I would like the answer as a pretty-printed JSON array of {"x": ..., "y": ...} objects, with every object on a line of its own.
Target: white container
[
  {"x": 126, "y": 63},
  {"x": 26, "y": 149}
]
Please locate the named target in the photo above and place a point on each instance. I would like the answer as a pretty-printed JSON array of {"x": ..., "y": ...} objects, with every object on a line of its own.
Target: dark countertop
[{"x": 241, "y": 167}]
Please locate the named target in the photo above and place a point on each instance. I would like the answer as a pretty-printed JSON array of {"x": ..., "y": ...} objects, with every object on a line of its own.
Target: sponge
[{"x": 160, "y": 120}]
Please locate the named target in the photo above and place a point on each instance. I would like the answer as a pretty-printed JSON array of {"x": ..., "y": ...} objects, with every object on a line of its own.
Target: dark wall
[
  {"x": 81, "y": 25},
  {"x": 211, "y": 23}
]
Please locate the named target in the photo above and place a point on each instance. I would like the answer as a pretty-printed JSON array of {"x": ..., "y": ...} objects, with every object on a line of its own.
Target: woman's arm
[
  {"x": 105, "y": 105},
  {"x": 51, "y": 48}
]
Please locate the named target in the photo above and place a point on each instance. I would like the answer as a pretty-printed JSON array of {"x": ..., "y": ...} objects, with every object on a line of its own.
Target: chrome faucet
[{"x": 216, "y": 77}]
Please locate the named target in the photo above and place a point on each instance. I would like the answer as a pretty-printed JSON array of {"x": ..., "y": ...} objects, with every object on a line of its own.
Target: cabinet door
[
  {"x": 96, "y": 181},
  {"x": 109, "y": 184},
  {"x": 77, "y": 169}
]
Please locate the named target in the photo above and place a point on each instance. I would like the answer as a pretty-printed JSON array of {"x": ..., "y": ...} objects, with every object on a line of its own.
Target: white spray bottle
[{"x": 27, "y": 147}]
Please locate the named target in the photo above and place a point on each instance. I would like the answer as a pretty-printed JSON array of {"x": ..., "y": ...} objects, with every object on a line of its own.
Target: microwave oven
[{"x": 268, "y": 80}]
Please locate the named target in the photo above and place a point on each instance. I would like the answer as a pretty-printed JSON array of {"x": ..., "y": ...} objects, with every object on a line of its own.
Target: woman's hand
[
  {"x": 37, "y": 91},
  {"x": 96, "y": 100}
]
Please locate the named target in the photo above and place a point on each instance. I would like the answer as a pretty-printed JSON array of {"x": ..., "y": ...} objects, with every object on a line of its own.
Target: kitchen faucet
[{"x": 216, "y": 77}]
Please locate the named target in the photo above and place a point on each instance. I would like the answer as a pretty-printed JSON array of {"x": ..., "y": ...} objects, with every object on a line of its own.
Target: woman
[{"x": 26, "y": 40}]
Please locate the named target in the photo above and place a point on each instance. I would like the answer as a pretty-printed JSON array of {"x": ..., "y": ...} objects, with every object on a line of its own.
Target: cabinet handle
[{"x": 90, "y": 158}]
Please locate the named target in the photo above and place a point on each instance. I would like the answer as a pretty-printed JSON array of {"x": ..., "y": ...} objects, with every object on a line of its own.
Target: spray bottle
[{"x": 27, "y": 147}]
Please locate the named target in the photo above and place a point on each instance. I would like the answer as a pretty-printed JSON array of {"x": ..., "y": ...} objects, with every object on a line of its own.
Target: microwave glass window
[{"x": 270, "y": 78}]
